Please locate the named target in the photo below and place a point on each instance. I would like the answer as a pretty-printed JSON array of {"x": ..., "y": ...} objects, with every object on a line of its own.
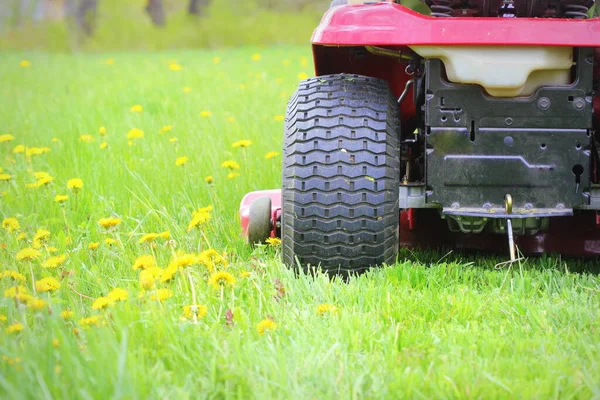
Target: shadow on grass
[{"x": 428, "y": 257}]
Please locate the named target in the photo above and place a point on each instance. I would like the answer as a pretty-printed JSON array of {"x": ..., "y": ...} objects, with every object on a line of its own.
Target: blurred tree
[
  {"x": 155, "y": 9},
  {"x": 85, "y": 15},
  {"x": 197, "y": 7}
]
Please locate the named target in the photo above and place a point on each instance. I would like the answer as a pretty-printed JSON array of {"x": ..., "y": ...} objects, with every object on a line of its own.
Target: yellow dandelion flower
[
  {"x": 166, "y": 128},
  {"x": 22, "y": 236},
  {"x": 55, "y": 261},
  {"x": 28, "y": 254},
  {"x": 256, "y": 57},
  {"x": 136, "y": 108},
  {"x": 5, "y": 177},
  {"x": 173, "y": 140},
  {"x": 266, "y": 325},
  {"x": 271, "y": 154},
  {"x": 216, "y": 60},
  {"x": 109, "y": 61},
  {"x": 14, "y": 275},
  {"x": 209, "y": 179},
  {"x": 86, "y": 138},
  {"x": 89, "y": 322},
  {"x": 118, "y": 294},
  {"x": 60, "y": 198},
  {"x": 41, "y": 236},
  {"x": 93, "y": 245},
  {"x": 241, "y": 143},
  {"x": 230, "y": 119},
  {"x": 326, "y": 308},
  {"x": 11, "y": 224},
  {"x": 102, "y": 131},
  {"x": 221, "y": 278},
  {"x": 230, "y": 164},
  {"x": 245, "y": 274},
  {"x": 162, "y": 294},
  {"x": 144, "y": 261},
  {"x": 187, "y": 89},
  {"x": 135, "y": 133},
  {"x": 273, "y": 241},
  {"x": 55, "y": 140},
  {"x": 205, "y": 114},
  {"x": 51, "y": 249},
  {"x": 168, "y": 273},
  {"x": 210, "y": 258},
  {"x": 67, "y": 314},
  {"x": 278, "y": 118},
  {"x": 194, "y": 311},
  {"x": 233, "y": 175},
  {"x": 36, "y": 151},
  {"x": 36, "y": 304},
  {"x": 14, "y": 291},
  {"x": 181, "y": 161},
  {"x": 14, "y": 328},
  {"x": 75, "y": 184},
  {"x": 175, "y": 67},
  {"x": 25, "y": 64},
  {"x": 55, "y": 343},
  {"x": 184, "y": 260},
  {"x": 103, "y": 145},
  {"x": 200, "y": 217},
  {"x": 3, "y": 318},
  {"x": 149, "y": 276},
  {"x": 19, "y": 149},
  {"x": 110, "y": 241},
  {"x": 109, "y": 222},
  {"x": 43, "y": 178},
  {"x": 150, "y": 237},
  {"x": 7, "y": 137},
  {"x": 48, "y": 284},
  {"x": 101, "y": 303},
  {"x": 302, "y": 76}
]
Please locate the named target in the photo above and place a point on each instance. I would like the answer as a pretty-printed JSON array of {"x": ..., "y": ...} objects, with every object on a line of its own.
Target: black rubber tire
[
  {"x": 341, "y": 174},
  {"x": 259, "y": 220}
]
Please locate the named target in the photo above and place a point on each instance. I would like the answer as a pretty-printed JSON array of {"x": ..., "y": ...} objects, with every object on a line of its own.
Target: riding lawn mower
[{"x": 464, "y": 124}]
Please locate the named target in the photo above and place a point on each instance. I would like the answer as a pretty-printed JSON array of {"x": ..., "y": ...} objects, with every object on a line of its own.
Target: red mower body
[{"x": 449, "y": 190}]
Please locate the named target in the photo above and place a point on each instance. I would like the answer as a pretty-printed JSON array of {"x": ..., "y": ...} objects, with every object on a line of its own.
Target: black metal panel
[{"x": 536, "y": 148}]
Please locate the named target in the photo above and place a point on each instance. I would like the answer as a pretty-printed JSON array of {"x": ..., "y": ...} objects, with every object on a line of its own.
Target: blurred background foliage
[{"x": 103, "y": 25}]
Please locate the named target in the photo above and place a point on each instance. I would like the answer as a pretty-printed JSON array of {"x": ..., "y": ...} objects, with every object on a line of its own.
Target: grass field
[{"x": 89, "y": 325}]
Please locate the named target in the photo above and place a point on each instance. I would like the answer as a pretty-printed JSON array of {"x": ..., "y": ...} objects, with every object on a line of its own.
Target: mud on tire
[{"x": 341, "y": 174}]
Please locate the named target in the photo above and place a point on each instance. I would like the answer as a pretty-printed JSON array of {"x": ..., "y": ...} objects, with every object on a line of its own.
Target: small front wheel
[{"x": 259, "y": 220}]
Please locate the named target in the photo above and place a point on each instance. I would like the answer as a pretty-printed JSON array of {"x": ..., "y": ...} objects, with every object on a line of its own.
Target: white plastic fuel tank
[{"x": 507, "y": 71}]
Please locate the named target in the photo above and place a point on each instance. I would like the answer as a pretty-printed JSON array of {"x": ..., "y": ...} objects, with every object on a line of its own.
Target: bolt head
[{"x": 544, "y": 103}]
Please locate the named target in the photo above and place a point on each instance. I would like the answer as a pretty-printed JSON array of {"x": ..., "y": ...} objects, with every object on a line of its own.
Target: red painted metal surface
[
  {"x": 571, "y": 236},
  {"x": 390, "y": 24},
  {"x": 275, "y": 196}
]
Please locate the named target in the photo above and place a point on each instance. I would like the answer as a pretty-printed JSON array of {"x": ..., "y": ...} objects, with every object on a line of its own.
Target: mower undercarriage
[{"x": 463, "y": 163}]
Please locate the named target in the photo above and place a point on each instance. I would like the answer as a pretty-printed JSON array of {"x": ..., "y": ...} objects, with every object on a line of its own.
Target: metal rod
[
  {"x": 381, "y": 51},
  {"x": 511, "y": 240},
  {"x": 405, "y": 91}
]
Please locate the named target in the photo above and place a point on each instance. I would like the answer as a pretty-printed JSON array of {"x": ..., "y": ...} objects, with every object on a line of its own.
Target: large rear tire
[{"x": 341, "y": 174}]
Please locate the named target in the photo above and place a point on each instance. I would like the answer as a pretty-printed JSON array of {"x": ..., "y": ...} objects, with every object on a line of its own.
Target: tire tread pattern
[{"x": 341, "y": 174}]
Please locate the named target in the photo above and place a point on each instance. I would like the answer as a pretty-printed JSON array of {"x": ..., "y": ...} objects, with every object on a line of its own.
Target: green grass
[
  {"x": 124, "y": 25},
  {"x": 428, "y": 327}
]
